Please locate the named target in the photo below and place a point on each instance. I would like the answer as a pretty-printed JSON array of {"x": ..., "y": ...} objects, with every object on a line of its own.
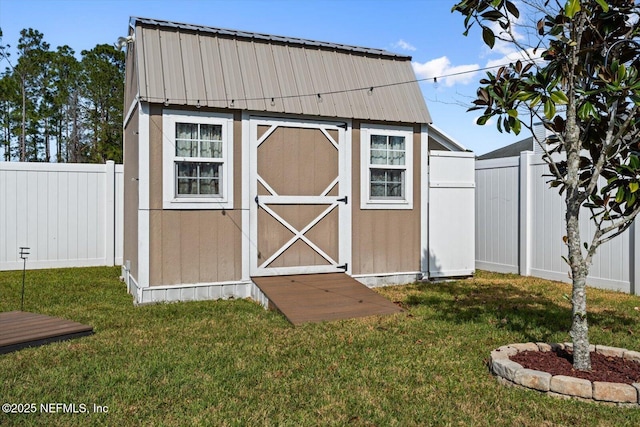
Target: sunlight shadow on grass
[{"x": 524, "y": 308}]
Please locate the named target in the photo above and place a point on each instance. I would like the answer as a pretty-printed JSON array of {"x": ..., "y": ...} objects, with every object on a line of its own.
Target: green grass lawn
[{"x": 233, "y": 363}]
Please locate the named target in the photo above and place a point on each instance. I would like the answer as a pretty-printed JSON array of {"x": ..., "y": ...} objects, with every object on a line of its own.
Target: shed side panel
[
  {"x": 192, "y": 246},
  {"x": 131, "y": 193},
  {"x": 195, "y": 247},
  {"x": 385, "y": 241}
]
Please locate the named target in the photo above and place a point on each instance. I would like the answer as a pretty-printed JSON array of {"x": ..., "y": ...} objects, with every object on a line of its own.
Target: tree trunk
[
  {"x": 579, "y": 327},
  {"x": 47, "y": 149},
  {"x": 23, "y": 142}
]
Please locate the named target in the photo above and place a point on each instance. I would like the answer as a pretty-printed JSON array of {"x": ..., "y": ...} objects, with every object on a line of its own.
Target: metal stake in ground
[{"x": 24, "y": 254}]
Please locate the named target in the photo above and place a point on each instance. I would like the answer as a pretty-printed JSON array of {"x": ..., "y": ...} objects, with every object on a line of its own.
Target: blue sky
[{"x": 424, "y": 29}]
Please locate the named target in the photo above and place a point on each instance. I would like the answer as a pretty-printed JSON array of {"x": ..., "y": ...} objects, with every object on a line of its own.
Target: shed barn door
[
  {"x": 298, "y": 198},
  {"x": 451, "y": 214}
]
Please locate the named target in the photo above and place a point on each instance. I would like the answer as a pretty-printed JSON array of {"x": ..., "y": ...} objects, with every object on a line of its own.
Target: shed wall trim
[{"x": 143, "y": 196}]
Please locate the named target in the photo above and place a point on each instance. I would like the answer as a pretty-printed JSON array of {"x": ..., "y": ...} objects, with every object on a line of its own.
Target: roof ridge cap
[{"x": 267, "y": 37}]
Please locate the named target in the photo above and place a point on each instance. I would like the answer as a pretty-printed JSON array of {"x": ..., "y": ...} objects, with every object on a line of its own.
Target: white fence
[
  {"x": 69, "y": 215},
  {"x": 520, "y": 225}
]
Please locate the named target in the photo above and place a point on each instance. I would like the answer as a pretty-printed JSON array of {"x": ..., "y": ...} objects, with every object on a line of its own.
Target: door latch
[{"x": 344, "y": 199}]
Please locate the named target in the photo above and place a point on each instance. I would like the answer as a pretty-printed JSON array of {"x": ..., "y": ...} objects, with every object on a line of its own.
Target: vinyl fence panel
[
  {"x": 497, "y": 204},
  {"x": 69, "y": 215},
  {"x": 520, "y": 228}
]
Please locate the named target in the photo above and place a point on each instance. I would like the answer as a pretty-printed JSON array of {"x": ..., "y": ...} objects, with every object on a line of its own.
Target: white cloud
[
  {"x": 401, "y": 44},
  {"x": 446, "y": 73}
]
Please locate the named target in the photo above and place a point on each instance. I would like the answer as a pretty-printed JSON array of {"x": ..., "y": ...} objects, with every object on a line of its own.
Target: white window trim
[
  {"x": 169, "y": 199},
  {"x": 366, "y": 202}
]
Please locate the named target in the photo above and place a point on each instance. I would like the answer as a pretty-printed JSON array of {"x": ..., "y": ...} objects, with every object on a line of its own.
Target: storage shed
[{"x": 250, "y": 155}]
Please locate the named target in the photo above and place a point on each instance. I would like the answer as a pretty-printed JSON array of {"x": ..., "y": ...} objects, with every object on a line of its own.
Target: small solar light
[{"x": 24, "y": 254}]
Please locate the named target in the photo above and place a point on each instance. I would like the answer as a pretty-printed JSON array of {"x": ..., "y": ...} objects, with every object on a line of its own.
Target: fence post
[
  {"x": 634, "y": 258},
  {"x": 525, "y": 213},
  {"x": 110, "y": 212}
]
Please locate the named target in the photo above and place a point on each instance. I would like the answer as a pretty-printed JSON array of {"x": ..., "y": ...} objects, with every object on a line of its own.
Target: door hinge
[
  {"x": 344, "y": 199},
  {"x": 344, "y": 266},
  {"x": 256, "y": 200}
]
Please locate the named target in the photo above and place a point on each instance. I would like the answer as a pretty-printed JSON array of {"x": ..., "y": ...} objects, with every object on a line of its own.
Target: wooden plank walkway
[
  {"x": 19, "y": 329},
  {"x": 322, "y": 297}
]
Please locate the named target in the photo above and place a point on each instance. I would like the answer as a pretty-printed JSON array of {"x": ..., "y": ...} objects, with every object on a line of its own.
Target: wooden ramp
[
  {"x": 322, "y": 297},
  {"x": 19, "y": 329}
]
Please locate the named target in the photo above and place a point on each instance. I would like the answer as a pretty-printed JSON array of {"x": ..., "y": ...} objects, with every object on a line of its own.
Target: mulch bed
[{"x": 559, "y": 362}]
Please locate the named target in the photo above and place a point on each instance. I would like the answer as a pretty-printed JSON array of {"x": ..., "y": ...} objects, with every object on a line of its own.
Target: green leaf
[
  {"x": 604, "y": 5},
  {"x": 549, "y": 109},
  {"x": 621, "y": 72},
  {"x": 571, "y": 8},
  {"x": 559, "y": 97},
  {"x": 516, "y": 126},
  {"x": 488, "y": 37},
  {"x": 634, "y": 186},
  {"x": 482, "y": 120},
  {"x": 586, "y": 110},
  {"x": 512, "y": 113},
  {"x": 535, "y": 101},
  {"x": 513, "y": 9},
  {"x": 620, "y": 195}
]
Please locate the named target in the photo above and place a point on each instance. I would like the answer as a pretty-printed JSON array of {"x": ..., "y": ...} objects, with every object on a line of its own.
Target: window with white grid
[
  {"x": 197, "y": 160},
  {"x": 386, "y": 167}
]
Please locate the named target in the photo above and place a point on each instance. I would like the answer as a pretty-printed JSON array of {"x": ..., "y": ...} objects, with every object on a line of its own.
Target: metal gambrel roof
[{"x": 184, "y": 64}]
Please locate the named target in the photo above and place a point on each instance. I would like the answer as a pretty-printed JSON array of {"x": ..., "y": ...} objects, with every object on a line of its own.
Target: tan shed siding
[
  {"x": 192, "y": 246},
  {"x": 130, "y": 250},
  {"x": 435, "y": 145},
  {"x": 156, "y": 139},
  {"x": 215, "y": 68},
  {"x": 385, "y": 241}
]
